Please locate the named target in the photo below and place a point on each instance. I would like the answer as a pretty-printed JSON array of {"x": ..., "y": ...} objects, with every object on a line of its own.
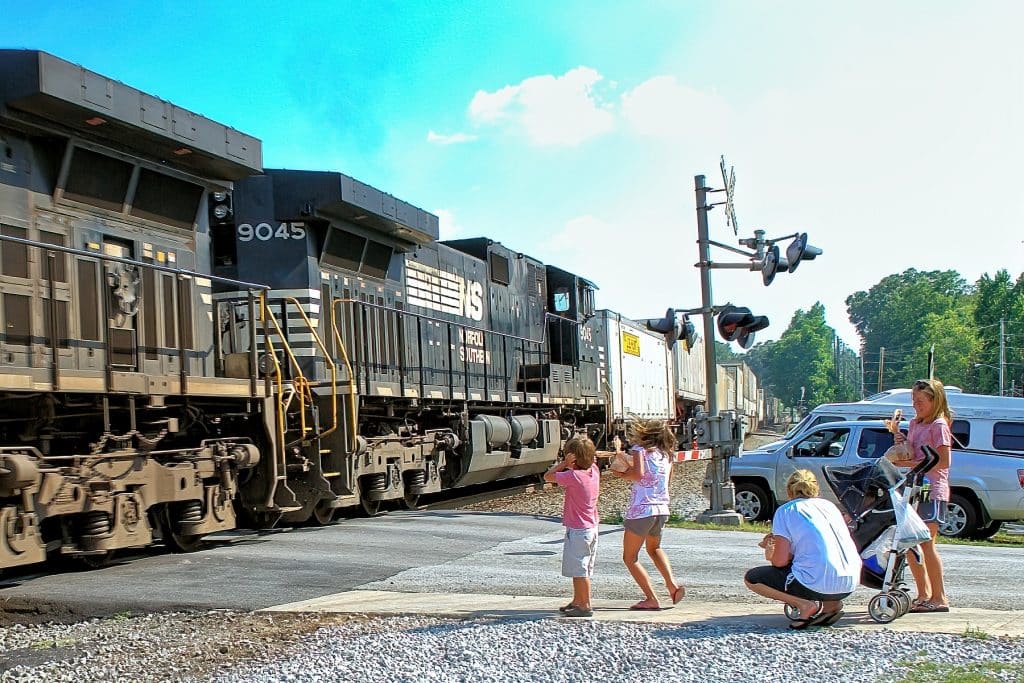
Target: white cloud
[
  {"x": 453, "y": 139},
  {"x": 549, "y": 110},
  {"x": 663, "y": 107},
  {"x": 447, "y": 225}
]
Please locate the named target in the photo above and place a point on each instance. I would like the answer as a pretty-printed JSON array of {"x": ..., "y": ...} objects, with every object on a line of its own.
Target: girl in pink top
[
  {"x": 650, "y": 471},
  {"x": 930, "y": 428}
]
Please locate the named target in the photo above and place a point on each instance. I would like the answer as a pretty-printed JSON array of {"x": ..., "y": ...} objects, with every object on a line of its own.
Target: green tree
[
  {"x": 892, "y": 314},
  {"x": 801, "y": 363},
  {"x": 998, "y": 298}
]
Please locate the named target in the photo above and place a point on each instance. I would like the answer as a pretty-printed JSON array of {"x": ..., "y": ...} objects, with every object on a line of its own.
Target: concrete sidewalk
[{"x": 687, "y": 612}]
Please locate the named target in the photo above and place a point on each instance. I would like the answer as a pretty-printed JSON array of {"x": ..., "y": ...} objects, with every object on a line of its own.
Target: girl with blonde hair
[
  {"x": 930, "y": 427},
  {"x": 650, "y": 470},
  {"x": 814, "y": 561}
]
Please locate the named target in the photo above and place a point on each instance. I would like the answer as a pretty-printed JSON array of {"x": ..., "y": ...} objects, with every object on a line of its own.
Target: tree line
[{"x": 901, "y": 321}]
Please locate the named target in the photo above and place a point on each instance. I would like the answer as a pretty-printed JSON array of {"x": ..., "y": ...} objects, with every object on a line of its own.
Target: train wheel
[
  {"x": 95, "y": 561},
  {"x": 323, "y": 514},
  {"x": 369, "y": 507},
  {"x": 184, "y": 512},
  {"x": 411, "y": 500}
]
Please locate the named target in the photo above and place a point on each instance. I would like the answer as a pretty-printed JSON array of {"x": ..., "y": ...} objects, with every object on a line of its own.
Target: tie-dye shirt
[{"x": 650, "y": 494}]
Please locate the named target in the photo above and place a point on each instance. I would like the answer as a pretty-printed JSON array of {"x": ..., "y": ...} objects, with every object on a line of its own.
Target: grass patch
[
  {"x": 676, "y": 522},
  {"x": 51, "y": 643},
  {"x": 1000, "y": 540},
  {"x": 927, "y": 672},
  {"x": 975, "y": 633}
]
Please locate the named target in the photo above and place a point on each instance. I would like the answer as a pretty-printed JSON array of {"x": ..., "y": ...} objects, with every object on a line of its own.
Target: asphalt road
[{"x": 438, "y": 551}]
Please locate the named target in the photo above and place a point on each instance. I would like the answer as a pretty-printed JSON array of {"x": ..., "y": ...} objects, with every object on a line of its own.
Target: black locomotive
[{"x": 190, "y": 342}]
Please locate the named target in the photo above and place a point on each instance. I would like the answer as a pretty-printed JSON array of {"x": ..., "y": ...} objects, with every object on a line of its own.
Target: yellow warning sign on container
[{"x": 630, "y": 344}]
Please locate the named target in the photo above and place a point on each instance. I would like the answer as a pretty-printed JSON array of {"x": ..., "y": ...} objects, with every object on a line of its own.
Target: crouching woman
[{"x": 814, "y": 562}]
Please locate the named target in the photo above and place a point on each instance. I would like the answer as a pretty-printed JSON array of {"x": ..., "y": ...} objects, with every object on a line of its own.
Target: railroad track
[{"x": 503, "y": 489}]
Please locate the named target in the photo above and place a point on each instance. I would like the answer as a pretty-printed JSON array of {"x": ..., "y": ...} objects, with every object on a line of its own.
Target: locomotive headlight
[
  {"x": 219, "y": 196},
  {"x": 220, "y": 211}
]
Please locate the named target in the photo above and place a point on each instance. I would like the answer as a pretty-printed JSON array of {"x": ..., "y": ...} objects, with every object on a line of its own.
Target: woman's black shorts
[{"x": 782, "y": 579}]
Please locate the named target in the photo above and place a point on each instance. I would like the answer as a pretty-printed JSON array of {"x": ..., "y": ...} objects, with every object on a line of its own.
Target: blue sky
[{"x": 891, "y": 132}]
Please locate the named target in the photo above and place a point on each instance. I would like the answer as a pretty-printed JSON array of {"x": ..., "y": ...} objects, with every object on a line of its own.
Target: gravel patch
[
  {"x": 405, "y": 649},
  {"x": 685, "y": 492}
]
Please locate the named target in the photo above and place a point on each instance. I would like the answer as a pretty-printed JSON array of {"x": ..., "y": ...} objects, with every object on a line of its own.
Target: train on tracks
[{"x": 190, "y": 342}]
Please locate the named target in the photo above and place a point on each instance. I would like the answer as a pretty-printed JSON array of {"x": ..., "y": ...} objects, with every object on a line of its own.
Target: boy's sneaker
[{"x": 575, "y": 611}]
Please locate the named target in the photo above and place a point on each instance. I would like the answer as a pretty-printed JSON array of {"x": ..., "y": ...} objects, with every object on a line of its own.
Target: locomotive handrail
[
  {"x": 279, "y": 413},
  {"x": 422, "y": 316},
  {"x": 351, "y": 376},
  {"x": 330, "y": 362},
  {"x": 547, "y": 316},
  {"x": 503, "y": 335}
]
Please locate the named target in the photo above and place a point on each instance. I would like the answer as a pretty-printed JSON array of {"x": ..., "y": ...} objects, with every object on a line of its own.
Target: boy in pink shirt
[{"x": 578, "y": 474}]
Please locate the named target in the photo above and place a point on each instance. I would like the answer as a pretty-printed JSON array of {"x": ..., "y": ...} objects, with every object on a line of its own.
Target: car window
[
  {"x": 961, "y": 433},
  {"x": 828, "y": 443},
  {"x": 873, "y": 443},
  {"x": 1008, "y": 436},
  {"x": 826, "y": 418}
]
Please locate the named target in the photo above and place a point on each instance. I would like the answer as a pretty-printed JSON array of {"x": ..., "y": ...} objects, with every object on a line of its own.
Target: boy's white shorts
[{"x": 579, "y": 553}]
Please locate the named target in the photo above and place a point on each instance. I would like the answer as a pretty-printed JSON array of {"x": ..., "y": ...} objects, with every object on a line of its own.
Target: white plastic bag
[
  {"x": 881, "y": 547},
  {"x": 910, "y": 528}
]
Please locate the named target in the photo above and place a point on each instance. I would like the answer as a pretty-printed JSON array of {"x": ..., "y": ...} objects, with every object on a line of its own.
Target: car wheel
[
  {"x": 753, "y": 502},
  {"x": 985, "y": 532},
  {"x": 961, "y": 518}
]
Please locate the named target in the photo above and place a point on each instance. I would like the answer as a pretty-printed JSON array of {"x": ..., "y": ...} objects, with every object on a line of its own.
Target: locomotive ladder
[{"x": 300, "y": 388}]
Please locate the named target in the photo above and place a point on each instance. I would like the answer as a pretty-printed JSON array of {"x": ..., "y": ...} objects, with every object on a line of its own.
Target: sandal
[
  {"x": 646, "y": 605},
  {"x": 565, "y": 608},
  {"x": 575, "y": 611},
  {"x": 926, "y": 606},
  {"x": 679, "y": 594},
  {"x": 815, "y": 619}
]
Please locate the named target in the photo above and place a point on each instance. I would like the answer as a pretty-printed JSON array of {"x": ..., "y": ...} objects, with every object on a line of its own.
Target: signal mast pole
[
  {"x": 712, "y": 422},
  {"x": 710, "y": 363}
]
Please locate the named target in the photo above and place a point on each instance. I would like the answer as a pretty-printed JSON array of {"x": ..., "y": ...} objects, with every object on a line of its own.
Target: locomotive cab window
[
  {"x": 587, "y": 306},
  {"x": 561, "y": 298}
]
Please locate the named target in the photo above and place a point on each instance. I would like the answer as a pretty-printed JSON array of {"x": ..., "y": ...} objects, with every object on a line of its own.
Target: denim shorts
[{"x": 932, "y": 510}]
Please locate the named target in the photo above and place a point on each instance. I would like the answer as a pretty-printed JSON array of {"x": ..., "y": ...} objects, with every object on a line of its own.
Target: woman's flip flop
[
  {"x": 679, "y": 594},
  {"x": 646, "y": 605}
]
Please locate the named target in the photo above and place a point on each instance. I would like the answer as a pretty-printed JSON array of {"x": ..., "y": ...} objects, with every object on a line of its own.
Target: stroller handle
[{"x": 931, "y": 459}]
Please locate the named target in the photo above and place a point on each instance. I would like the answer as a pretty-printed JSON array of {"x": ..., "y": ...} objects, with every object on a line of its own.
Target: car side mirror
[{"x": 789, "y": 452}]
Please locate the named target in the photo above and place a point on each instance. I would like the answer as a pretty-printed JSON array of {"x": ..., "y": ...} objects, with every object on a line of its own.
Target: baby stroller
[{"x": 864, "y": 492}]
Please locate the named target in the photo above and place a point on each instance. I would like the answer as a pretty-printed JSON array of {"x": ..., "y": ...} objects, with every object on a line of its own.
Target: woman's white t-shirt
[{"x": 825, "y": 558}]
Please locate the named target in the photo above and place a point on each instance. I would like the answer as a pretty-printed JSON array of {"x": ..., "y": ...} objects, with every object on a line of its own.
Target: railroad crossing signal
[{"x": 730, "y": 190}]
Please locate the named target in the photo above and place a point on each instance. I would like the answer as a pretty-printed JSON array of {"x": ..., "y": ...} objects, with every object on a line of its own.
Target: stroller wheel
[
  {"x": 903, "y": 598},
  {"x": 884, "y": 608},
  {"x": 792, "y": 613}
]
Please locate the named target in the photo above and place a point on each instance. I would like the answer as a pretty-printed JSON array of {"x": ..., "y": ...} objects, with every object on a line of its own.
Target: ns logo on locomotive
[{"x": 191, "y": 342}]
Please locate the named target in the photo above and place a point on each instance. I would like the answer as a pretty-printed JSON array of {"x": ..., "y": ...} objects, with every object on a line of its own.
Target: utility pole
[
  {"x": 881, "y": 366},
  {"x": 1002, "y": 353},
  {"x": 863, "y": 393}
]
